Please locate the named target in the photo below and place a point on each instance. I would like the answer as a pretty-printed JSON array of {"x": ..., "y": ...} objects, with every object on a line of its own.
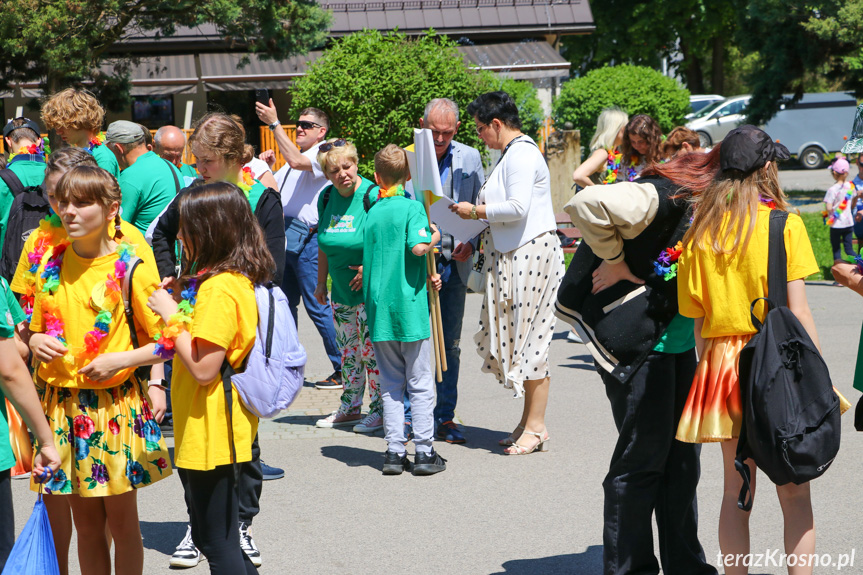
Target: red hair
[{"x": 692, "y": 172}]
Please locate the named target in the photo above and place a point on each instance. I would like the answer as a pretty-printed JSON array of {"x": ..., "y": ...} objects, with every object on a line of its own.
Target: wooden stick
[
  {"x": 441, "y": 343},
  {"x": 434, "y": 303}
]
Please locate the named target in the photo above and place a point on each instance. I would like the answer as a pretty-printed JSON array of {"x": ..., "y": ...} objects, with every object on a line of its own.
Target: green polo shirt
[
  {"x": 10, "y": 316},
  {"x": 148, "y": 186},
  {"x": 106, "y": 160}
]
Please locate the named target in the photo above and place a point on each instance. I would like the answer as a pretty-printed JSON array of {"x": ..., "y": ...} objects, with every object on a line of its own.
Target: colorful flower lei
[
  {"x": 843, "y": 205},
  {"x": 181, "y": 320},
  {"x": 96, "y": 141},
  {"x": 769, "y": 202},
  {"x": 54, "y": 325},
  {"x": 41, "y": 246},
  {"x": 248, "y": 181},
  {"x": 666, "y": 264},
  {"x": 615, "y": 158},
  {"x": 41, "y": 151},
  {"x": 397, "y": 190}
]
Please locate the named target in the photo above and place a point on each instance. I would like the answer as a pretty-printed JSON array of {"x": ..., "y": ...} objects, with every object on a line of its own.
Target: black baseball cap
[
  {"x": 28, "y": 123},
  {"x": 748, "y": 148}
]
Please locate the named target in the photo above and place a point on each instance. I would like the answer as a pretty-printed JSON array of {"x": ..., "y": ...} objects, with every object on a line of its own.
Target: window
[{"x": 153, "y": 111}]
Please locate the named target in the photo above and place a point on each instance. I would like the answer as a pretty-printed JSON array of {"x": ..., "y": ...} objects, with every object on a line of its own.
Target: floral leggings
[{"x": 358, "y": 359}]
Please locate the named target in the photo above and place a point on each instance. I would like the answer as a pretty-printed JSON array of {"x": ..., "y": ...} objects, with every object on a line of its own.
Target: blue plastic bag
[{"x": 33, "y": 552}]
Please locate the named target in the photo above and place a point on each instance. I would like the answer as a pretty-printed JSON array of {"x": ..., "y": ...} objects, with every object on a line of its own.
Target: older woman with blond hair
[
  {"x": 77, "y": 117},
  {"x": 603, "y": 164},
  {"x": 342, "y": 215}
]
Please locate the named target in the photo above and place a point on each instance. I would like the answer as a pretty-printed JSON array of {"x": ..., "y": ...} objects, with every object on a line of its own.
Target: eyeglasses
[
  {"x": 306, "y": 125},
  {"x": 480, "y": 128},
  {"x": 326, "y": 147}
]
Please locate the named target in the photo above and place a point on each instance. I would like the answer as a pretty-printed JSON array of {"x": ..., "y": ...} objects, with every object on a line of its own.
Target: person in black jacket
[
  {"x": 218, "y": 144},
  {"x": 620, "y": 295}
]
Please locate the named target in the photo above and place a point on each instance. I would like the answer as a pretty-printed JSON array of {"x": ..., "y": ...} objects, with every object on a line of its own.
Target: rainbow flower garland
[
  {"x": 843, "y": 205},
  {"x": 96, "y": 141},
  {"x": 397, "y": 190},
  {"x": 41, "y": 246},
  {"x": 54, "y": 325},
  {"x": 666, "y": 264},
  {"x": 41, "y": 151},
  {"x": 248, "y": 181},
  {"x": 179, "y": 321},
  {"x": 615, "y": 158}
]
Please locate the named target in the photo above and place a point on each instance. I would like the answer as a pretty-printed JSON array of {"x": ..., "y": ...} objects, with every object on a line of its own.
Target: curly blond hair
[{"x": 75, "y": 109}]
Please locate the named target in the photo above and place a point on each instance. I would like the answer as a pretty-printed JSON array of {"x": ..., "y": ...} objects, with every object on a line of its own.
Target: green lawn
[{"x": 819, "y": 235}]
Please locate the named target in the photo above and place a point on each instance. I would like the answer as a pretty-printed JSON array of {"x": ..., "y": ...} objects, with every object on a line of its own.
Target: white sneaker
[
  {"x": 339, "y": 419},
  {"x": 372, "y": 423},
  {"x": 186, "y": 555},
  {"x": 573, "y": 337},
  {"x": 247, "y": 544}
]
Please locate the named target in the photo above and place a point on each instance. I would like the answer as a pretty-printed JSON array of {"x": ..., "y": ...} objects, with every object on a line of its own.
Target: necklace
[
  {"x": 615, "y": 158},
  {"x": 397, "y": 190},
  {"x": 248, "y": 181},
  {"x": 41, "y": 151},
  {"x": 96, "y": 141},
  {"x": 665, "y": 265},
  {"x": 54, "y": 325},
  {"x": 42, "y": 245},
  {"x": 179, "y": 321},
  {"x": 843, "y": 205}
]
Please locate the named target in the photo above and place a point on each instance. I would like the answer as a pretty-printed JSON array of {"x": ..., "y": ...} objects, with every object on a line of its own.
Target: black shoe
[
  {"x": 270, "y": 472},
  {"x": 332, "y": 382},
  {"x": 428, "y": 463},
  {"x": 394, "y": 463}
]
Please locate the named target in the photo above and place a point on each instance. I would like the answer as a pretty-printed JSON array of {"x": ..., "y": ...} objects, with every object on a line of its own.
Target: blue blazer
[{"x": 467, "y": 179}]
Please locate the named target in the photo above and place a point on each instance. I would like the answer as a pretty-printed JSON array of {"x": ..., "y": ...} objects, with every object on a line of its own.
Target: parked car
[
  {"x": 816, "y": 125},
  {"x": 700, "y": 101}
]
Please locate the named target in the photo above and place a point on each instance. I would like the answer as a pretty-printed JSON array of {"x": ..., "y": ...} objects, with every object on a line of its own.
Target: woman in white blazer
[{"x": 524, "y": 266}]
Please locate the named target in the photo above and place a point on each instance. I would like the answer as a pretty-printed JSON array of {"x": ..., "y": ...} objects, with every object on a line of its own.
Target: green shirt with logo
[{"x": 148, "y": 186}]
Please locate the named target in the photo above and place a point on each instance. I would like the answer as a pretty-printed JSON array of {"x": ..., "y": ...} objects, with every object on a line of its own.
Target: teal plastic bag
[{"x": 33, "y": 552}]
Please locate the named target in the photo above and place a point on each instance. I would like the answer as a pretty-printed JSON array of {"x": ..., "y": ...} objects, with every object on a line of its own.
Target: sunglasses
[
  {"x": 326, "y": 147},
  {"x": 306, "y": 125}
]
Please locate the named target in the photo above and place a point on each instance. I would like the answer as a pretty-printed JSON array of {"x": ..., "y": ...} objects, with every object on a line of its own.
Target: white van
[{"x": 817, "y": 125}]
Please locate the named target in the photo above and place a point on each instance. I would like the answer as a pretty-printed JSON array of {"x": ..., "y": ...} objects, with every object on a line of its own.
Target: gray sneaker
[
  {"x": 186, "y": 554},
  {"x": 248, "y": 544}
]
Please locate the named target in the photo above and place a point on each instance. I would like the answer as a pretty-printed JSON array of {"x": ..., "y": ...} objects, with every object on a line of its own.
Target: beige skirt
[{"x": 516, "y": 323}]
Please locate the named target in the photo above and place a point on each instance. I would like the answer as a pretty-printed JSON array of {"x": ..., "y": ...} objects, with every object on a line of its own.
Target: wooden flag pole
[{"x": 434, "y": 303}]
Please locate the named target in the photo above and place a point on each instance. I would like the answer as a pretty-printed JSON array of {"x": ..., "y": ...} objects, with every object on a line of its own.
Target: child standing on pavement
[
  {"x": 840, "y": 200},
  {"x": 397, "y": 239}
]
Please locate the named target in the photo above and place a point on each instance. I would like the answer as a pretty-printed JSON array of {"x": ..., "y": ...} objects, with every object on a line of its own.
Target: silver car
[{"x": 712, "y": 123}]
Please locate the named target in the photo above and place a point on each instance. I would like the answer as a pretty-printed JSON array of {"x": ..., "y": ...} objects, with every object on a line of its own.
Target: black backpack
[
  {"x": 29, "y": 207},
  {"x": 791, "y": 425}
]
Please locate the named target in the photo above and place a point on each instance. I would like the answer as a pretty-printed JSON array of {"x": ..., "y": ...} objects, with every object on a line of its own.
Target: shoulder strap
[
  {"x": 777, "y": 261},
  {"x": 173, "y": 173},
  {"x": 326, "y": 197},
  {"x": 288, "y": 173},
  {"x": 367, "y": 199},
  {"x": 126, "y": 288},
  {"x": 11, "y": 179}
]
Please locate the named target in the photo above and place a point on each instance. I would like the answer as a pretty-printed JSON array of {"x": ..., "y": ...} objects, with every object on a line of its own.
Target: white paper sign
[{"x": 462, "y": 230}]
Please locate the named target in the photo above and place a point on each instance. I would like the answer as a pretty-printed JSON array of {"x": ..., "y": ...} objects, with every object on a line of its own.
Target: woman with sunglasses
[
  {"x": 340, "y": 255},
  {"x": 524, "y": 267}
]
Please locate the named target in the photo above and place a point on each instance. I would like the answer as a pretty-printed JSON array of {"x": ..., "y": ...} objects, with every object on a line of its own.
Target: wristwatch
[
  {"x": 473, "y": 215},
  {"x": 273, "y": 126}
]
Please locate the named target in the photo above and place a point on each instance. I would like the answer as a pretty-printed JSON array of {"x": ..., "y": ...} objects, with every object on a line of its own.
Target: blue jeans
[
  {"x": 452, "y": 296},
  {"x": 301, "y": 277}
]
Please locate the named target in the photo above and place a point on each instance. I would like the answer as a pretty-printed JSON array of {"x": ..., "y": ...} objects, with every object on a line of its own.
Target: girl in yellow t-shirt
[
  {"x": 90, "y": 395},
  {"x": 217, "y": 320},
  {"x": 722, "y": 269}
]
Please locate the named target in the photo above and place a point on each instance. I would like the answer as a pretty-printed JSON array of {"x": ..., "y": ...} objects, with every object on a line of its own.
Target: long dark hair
[
  {"x": 646, "y": 127},
  {"x": 222, "y": 234}
]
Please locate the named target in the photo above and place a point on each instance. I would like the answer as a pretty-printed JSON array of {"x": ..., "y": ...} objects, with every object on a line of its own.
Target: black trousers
[
  {"x": 213, "y": 501},
  {"x": 7, "y": 517},
  {"x": 249, "y": 486},
  {"x": 839, "y": 238},
  {"x": 650, "y": 471}
]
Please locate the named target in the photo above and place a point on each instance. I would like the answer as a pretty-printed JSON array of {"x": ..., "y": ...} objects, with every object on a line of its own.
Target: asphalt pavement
[{"x": 488, "y": 513}]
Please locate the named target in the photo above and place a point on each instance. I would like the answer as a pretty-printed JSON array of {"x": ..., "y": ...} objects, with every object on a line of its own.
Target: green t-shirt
[
  {"x": 189, "y": 170},
  {"x": 106, "y": 160},
  {"x": 255, "y": 194},
  {"x": 30, "y": 173},
  {"x": 394, "y": 279},
  {"x": 148, "y": 186},
  {"x": 10, "y": 316},
  {"x": 340, "y": 236},
  {"x": 679, "y": 336}
]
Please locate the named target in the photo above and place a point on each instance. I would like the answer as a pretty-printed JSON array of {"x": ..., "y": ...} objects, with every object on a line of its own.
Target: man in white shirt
[{"x": 300, "y": 181}]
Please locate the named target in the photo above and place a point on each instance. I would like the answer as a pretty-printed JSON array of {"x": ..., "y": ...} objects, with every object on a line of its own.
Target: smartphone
[{"x": 263, "y": 96}]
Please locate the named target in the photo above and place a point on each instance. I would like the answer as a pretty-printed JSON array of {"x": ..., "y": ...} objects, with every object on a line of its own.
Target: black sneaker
[
  {"x": 247, "y": 544},
  {"x": 269, "y": 472},
  {"x": 428, "y": 463},
  {"x": 186, "y": 555},
  {"x": 394, "y": 463},
  {"x": 332, "y": 382}
]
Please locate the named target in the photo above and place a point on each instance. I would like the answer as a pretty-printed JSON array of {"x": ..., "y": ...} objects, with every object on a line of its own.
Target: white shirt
[
  {"x": 834, "y": 196},
  {"x": 258, "y": 167},
  {"x": 300, "y": 189},
  {"x": 517, "y": 196}
]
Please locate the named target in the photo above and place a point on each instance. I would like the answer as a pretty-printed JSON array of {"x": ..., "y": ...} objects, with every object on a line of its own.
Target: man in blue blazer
[{"x": 461, "y": 179}]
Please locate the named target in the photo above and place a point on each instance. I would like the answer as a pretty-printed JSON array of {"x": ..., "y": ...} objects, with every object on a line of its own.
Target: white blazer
[{"x": 517, "y": 196}]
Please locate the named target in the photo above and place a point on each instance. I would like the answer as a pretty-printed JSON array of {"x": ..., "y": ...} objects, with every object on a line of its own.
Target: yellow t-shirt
[
  {"x": 78, "y": 278},
  {"x": 131, "y": 234},
  {"x": 721, "y": 287},
  {"x": 225, "y": 314}
]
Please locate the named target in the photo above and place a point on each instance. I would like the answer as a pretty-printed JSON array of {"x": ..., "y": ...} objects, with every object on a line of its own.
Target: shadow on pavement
[
  {"x": 587, "y": 563},
  {"x": 481, "y": 438},
  {"x": 163, "y": 536},
  {"x": 354, "y": 456},
  {"x": 586, "y": 362}
]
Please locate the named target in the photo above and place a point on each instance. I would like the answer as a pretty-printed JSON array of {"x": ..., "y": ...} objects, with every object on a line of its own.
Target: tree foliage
[
  {"x": 634, "y": 89},
  {"x": 374, "y": 87},
  {"x": 67, "y": 42}
]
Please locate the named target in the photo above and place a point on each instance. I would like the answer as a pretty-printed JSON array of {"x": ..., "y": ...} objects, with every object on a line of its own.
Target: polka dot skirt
[{"x": 517, "y": 320}]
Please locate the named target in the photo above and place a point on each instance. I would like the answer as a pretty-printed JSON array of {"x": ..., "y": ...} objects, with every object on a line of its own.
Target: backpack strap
[
  {"x": 271, "y": 324},
  {"x": 777, "y": 260},
  {"x": 326, "y": 197},
  {"x": 11, "y": 179},
  {"x": 367, "y": 200},
  {"x": 173, "y": 173},
  {"x": 227, "y": 372},
  {"x": 744, "y": 471},
  {"x": 141, "y": 372}
]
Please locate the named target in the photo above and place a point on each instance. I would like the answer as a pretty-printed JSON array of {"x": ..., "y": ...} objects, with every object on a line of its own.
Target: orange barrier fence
[{"x": 544, "y": 132}]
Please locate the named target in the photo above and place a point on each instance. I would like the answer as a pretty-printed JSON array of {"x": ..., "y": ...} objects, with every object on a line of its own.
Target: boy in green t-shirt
[
  {"x": 397, "y": 239},
  {"x": 16, "y": 384}
]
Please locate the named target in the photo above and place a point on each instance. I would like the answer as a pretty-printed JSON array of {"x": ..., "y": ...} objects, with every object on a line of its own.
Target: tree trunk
[
  {"x": 717, "y": 80},
  {"x": 691, "y": 69}
]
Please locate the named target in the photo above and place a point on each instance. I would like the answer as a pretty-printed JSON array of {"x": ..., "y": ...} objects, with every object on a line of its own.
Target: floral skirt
[{"x": 108, "y": 439}]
